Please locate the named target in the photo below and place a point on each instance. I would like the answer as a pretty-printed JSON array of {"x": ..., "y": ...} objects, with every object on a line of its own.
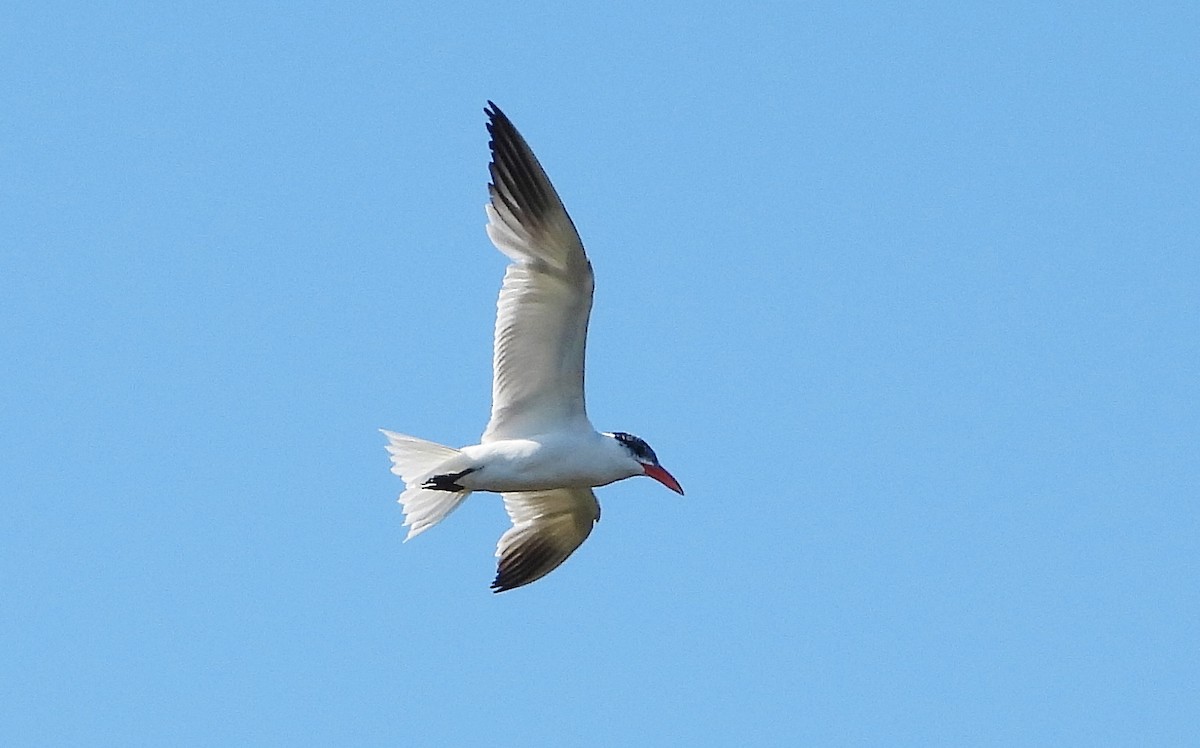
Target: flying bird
[{"x": 539, "y": 451}]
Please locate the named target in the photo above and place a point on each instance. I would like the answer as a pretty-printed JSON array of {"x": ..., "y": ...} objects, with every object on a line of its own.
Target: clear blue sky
[{"x": 908, "y": 298}]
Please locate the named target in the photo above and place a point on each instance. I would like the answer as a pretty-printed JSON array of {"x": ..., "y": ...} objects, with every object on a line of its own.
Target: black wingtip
[
  {"x": 504, "y": 582},
  {"x": 527, "y": 564},
  {"x": 497, "y": 119},
  {"x": 500, "y": 583}
]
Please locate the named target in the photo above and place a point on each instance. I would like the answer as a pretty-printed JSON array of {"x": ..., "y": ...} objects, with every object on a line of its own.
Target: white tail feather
[{"x": 415, "y": 460}]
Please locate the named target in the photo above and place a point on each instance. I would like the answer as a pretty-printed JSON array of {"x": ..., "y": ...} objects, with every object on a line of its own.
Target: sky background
[{"x": 906, "y": 296}]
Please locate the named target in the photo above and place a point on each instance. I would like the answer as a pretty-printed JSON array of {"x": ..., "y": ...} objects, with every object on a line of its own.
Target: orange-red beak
[{"x": 662, "y": 476}]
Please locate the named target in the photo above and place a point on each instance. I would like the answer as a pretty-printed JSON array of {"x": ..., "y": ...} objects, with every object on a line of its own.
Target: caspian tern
[{"x": 539, "y": 451}]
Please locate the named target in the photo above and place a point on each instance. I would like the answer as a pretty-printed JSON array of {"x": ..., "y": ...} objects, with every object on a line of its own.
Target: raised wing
[
  {"x": 542, "y": 313},
  {"x": 547, "y": 527}
]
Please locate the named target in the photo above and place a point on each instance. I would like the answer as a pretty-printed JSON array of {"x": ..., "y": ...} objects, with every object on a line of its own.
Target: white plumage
[{"x": 539, "y": 448}]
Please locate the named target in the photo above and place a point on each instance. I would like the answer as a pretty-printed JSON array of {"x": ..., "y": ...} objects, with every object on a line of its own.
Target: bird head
[{"x": 640, "y": 452}]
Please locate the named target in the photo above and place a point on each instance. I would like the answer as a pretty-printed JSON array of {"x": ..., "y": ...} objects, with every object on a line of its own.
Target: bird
[{"x": 539, "y": 450}]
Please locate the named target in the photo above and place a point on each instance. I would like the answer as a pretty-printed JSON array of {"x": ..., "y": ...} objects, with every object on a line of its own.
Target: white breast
[{"x": 560, "y": 460}]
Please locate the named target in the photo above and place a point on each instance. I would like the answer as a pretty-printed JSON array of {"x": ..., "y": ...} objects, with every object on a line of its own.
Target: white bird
[{"x": 539, "y": 450}]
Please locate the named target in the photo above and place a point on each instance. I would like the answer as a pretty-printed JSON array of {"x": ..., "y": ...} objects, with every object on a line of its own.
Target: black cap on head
[{"x": 637, "y": 446}]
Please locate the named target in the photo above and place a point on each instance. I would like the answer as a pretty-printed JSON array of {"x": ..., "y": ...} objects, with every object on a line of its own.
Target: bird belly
[{"x": 533, "y": 465}]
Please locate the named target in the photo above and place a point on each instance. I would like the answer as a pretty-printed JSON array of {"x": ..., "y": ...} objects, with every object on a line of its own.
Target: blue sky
[{"x": 906, "y": 296}]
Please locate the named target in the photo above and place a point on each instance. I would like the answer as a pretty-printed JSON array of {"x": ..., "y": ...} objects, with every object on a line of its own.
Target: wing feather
[
  {"x": 542, "y": 313},
  {"x": 547, "y": 528}
]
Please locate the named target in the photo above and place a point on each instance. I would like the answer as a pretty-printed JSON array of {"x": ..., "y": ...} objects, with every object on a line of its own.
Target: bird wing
[
  {"x": 547, "y": 528},
  {"x": 542, "y": 313}
]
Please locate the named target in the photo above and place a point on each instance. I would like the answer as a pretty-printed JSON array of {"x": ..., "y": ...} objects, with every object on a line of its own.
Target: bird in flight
[{"x": 539, "y": 451}]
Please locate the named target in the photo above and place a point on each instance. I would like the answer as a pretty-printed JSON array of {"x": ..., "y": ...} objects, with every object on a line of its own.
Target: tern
[{"x": 539, "y": 450}]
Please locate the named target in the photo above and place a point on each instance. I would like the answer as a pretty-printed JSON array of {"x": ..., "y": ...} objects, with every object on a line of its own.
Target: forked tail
[{"x": 416, "y": 461}]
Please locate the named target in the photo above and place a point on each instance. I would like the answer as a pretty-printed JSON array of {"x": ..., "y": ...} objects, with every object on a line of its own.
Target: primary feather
[
  {"x": 547, "y": 528},
  {"x": 542, "y": 312}
]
